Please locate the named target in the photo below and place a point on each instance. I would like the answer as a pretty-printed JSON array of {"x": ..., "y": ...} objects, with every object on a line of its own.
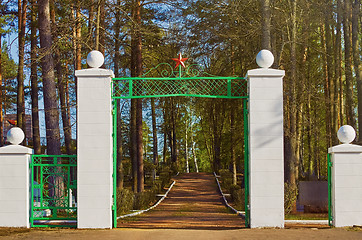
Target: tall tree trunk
[
  {"x": 61, "y": 86},
  {"x": 154, "y": 133},
  {"x": 137, "y": 105},
  {"x": 49, "y": 92},
  {"x": 326, "y": 87},
  {"x": 133, "y": 148},
  {"x": 49, "y": 89},
  {"x": 78, "y": 34},
  {"x": 102, "y": 26},
  {"x": 338, "y": 65},
  {"x": 21, "y": 121},
  {"x": 216, "y": 137},
  {"x": 348, "y": 63},
  {"x": 91, "y": 24},
  {"x": 265, "y": 25},
  {"x": 356, "y": 61},
  {"x": 330, "y": 80},
  {"x": 63, "y": 105},
  {"x": 232, "y": 149},
  {"x": 120, "y": 174},
  {"x": 1, "y": 98},
  {"x": 309, "y": 131},
  {"x": 98, "y": 20},
  {"x": 291, "y": 139},
  {"x": 164, "y": 152},
  {"x": 34, "y": 79}
]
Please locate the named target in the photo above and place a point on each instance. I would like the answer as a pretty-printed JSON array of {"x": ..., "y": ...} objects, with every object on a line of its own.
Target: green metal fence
[
  {"x": 53, "y": 191},
  {"x": 210, "y": 87},
  {"x": 165, "y": 81}
]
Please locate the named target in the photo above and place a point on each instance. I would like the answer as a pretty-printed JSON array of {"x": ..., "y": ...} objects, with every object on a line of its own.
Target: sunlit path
[{"x": 193, "y": 203}]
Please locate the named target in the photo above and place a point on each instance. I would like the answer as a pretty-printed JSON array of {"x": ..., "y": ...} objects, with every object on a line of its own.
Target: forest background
[{"x": 316, "y": 42}]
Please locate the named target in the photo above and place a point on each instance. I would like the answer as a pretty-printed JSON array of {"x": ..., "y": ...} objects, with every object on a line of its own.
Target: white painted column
[
  {"x": 94, "y": 145},
  {"x": 14, "y": 183},
  {"x": 346, "y": 178},
  {"x": 266, "y": 164}
]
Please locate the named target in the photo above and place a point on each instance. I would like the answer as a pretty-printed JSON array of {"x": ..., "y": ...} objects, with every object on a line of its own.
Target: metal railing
[{"x": 53, "y": 190}]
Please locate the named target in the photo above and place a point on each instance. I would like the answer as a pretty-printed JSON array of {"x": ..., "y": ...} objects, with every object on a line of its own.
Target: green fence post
[
  {"x": 130, "y": 88},
  {"x": 114, "y": 207},
  {"x": 32, "y": 190}
]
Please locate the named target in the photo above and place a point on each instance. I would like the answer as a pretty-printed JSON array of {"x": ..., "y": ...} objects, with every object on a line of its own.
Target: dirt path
[{"x": 193, "y": 203}]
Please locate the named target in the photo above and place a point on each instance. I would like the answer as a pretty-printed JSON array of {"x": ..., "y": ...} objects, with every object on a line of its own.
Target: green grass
[
  {"x": 354, "y": 229},
  {"x": 307, "y": 216}
]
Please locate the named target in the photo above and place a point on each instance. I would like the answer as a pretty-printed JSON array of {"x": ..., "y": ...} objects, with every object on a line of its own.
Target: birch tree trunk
[{"x": 186, "y": 149}]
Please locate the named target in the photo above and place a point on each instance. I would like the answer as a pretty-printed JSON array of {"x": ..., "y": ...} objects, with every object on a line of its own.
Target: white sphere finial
[
  {"x": 346, "y": 134},
  {"x": 95, "y": 59},
  {"x": 265, "y": 59},
  {"x": 15, "y": 136}
]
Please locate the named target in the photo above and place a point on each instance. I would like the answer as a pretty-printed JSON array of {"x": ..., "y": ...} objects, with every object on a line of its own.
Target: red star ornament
[{"x": 180, "y": 60}]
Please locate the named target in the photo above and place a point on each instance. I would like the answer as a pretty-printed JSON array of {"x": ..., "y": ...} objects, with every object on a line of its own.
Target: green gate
[
  {"x": 164, "y": 81},
  {"x": 53, "y": 190}
]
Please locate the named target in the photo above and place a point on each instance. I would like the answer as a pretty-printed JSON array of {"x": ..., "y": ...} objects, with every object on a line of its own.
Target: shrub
[
  {"x": 125, "y": 199},
  {"x": 290, "y": 197},
  {"x": 144, "y": 199},
  {"x": 238, "y": 197},
  {"x": 226, "y": 178},
  {"x": 157, "y": 186},
  {"x": 165, "y": 176}
]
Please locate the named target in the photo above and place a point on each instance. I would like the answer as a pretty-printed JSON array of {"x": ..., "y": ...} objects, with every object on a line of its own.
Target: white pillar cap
[
  {"x": 346, "y": 134},
  {"x": 95, "y": 59},
  {"x": 265, "y": 59},
  {"x": 15, "y": 136}
]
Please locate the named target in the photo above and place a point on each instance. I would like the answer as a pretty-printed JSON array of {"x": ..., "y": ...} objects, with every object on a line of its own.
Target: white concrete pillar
[
  {"x": 346, "y": 179},
  {"x": 14, "y": 182},
  {"x": 266, "y": 164},
  {"x": 94, "y": 145}
]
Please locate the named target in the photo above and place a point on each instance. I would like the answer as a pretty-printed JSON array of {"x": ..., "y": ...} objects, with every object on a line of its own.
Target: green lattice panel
[
  {"x": 216, "y": 87},
  {"x": 53, "y": 177}
]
